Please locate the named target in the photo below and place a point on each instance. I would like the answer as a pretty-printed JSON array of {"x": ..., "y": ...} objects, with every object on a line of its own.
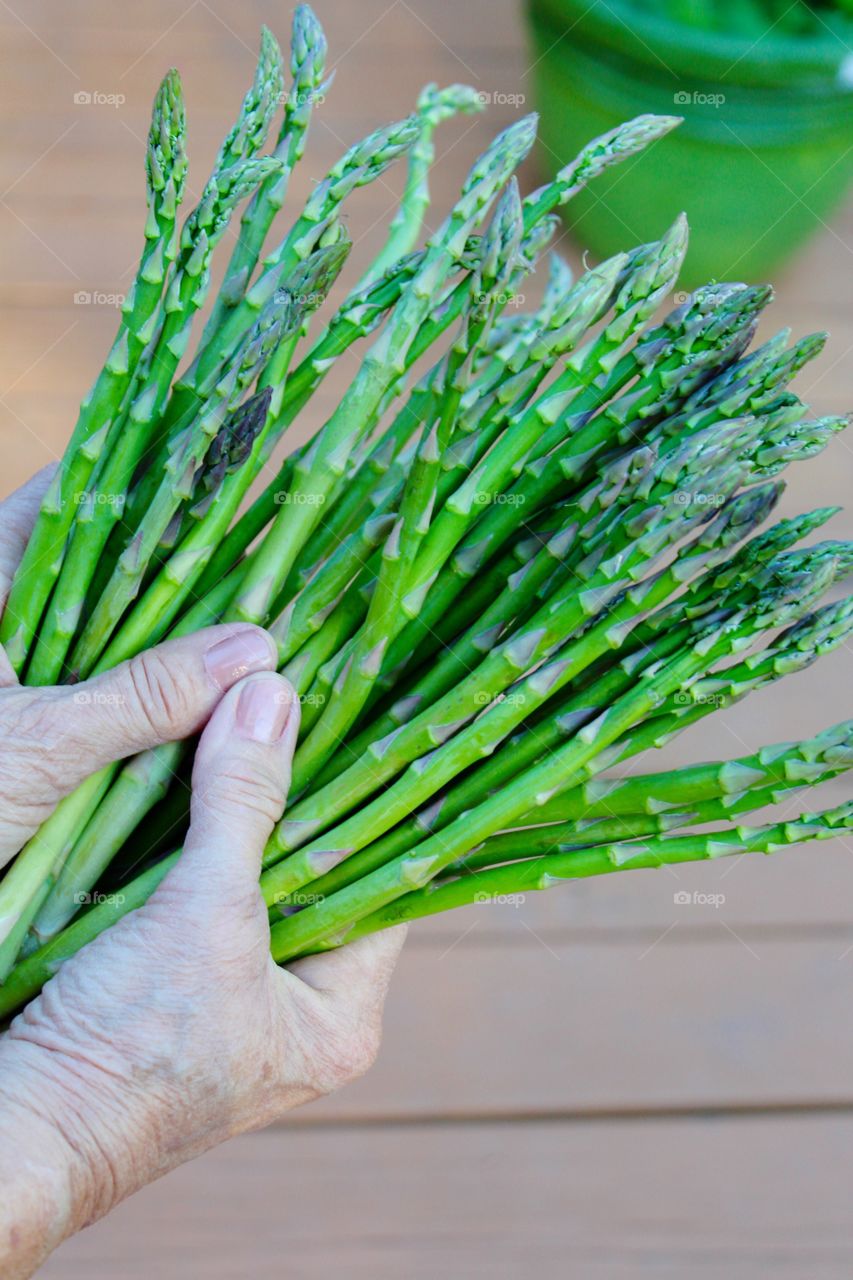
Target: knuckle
[
  {"x": 38, "y": 737},
  {"x": 154, "y": 694},
  {"x": 250, "y": 790}
]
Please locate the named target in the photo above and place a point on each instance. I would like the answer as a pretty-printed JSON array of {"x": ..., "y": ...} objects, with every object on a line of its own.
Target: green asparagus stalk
[
  {"x": 434, "y": 106},
  {"x": 613, "y": 147},
  {"x": 361, "y": 164},
  {"x": 548, "y": 871},
  {"x": 307, "y": 67},
  {"x": 186, "y": 456},
  {"x": 318, "y": 471},
  {"x": 185, "y": 295},
  {"x": 565, "y": 767},
  {"x": 165, "y": 174},
  {"x": 249, "y": 131},
  {"x": 489, "y": 585},
  {"x": 794, "y": 651},
  {"x": 419, "y": 494},
  {"x": 176, "y": 580}
]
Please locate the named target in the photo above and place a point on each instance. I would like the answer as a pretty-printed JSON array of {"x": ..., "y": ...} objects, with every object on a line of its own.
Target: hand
[{"x": 174, "y": 1030}]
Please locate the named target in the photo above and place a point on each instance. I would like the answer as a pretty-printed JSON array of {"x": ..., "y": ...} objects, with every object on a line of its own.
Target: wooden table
[{"x": 604, "y": 1083}]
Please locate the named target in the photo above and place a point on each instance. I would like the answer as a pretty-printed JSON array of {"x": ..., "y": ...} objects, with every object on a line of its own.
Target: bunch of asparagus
[{"x": 524, "y": 548}]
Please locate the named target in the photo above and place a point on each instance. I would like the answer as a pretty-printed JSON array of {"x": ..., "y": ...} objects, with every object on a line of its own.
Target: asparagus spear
[
  {"x": 361, "y": 164},
  {"x": 794, "y": 651},
  {"x": 418, "y": 497},
  {"x": 186, "y": 456},
  {"x": 548, "y": 871},
  {"x": 434, "y": 106},
  {"x": 307, "y": 67},
  {"x": 170, "y": 589},
  {"x": 165, "y": 174},
  {"x": 317, "y": 472},
  {"x": 185, "y": 295},
  {"x": 543, "y": 666},
  {"x": 335, "y": 915},
  {"x": 612, "y": 147},
  {"x": 249, "y": 131}
]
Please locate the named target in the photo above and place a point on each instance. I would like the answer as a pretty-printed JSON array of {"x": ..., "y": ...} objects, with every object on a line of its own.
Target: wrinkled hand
[{"x": 174, "y": 1030}]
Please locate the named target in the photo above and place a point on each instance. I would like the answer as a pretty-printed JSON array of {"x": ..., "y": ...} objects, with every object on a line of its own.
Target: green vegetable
[{"x": 524, "y": 548}]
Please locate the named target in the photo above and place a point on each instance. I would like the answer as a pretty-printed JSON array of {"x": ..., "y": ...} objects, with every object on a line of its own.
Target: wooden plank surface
[
  {"x": 716, "y": 1199},
  {"x": 524, "y": 1021}
]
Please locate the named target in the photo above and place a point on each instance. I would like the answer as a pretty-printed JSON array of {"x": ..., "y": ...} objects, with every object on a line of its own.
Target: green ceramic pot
[{"x": 764, "y": 155}]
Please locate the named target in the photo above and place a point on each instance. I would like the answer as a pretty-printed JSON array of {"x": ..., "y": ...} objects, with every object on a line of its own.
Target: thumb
[
  {"x": 54, "y": 738},
  {"x": 240, "y": 781},
  {"x": 159, "y": 696}
]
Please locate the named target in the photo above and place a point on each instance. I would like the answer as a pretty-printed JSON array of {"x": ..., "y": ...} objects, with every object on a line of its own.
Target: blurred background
[{"x": 608, "y": 1082}]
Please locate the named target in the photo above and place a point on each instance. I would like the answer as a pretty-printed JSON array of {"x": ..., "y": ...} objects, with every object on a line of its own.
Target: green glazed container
[{"x": 765, "y": 152}]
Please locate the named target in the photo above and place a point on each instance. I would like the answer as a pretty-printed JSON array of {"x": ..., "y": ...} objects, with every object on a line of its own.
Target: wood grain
[
  {"x": 518, "y": 1020},
  {"x": 717, "y": 1199}
]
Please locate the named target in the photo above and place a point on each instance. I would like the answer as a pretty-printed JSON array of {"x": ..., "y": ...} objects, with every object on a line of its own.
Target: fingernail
[
  {"x": 263, "y": 709},
  {"x": 237, "y": 655}
]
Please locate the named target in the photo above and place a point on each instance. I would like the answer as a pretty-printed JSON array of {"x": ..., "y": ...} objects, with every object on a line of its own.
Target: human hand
[{"x": 174, "y": 1030}]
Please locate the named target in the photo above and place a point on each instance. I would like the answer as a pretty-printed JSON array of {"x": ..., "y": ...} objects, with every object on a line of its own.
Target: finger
[
  {"x": 17, "y": 516},
  {"x": 159, "y": 696},
  {"x": 360, "y": 971},
  {"x": 348, "y": 999},
  {"x": 240, "y": 782}
]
